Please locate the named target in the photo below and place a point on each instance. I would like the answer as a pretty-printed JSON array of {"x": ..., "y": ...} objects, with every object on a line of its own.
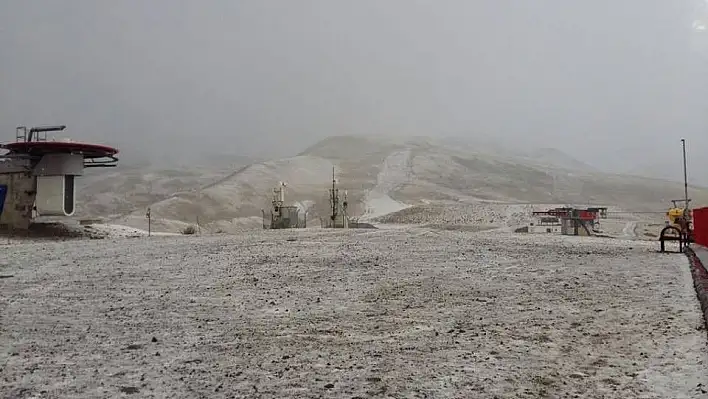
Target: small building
[
  {"x": 545, "y": 224},
  {"x": 283, "y": 216},
  {"x": 547, "y": 229},
  {"x": 566, "y": 221}
]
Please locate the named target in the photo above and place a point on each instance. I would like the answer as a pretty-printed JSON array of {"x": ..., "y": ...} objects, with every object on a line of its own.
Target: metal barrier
[{"x": 673, "y": 233}]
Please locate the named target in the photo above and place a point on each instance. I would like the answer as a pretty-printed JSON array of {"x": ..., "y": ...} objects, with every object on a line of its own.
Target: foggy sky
[{"x": 272, "y": 76}]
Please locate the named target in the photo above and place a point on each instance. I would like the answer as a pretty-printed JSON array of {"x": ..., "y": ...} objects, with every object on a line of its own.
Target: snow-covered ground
[
  {"x": 395, "y": 171},
  {"x": 397, "y": 312},
  {"x": 120, "y": 231}
]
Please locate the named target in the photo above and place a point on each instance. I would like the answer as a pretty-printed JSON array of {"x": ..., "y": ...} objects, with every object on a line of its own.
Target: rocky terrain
[
  {"x": 397, "y": 312},
  {"x": 113, "y": 192}
]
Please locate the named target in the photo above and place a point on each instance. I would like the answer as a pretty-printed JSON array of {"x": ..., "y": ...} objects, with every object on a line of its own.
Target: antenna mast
[{"x": 334, "y": 198}]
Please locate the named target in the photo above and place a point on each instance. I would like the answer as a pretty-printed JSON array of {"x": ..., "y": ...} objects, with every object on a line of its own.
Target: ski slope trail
[{"x": 395, "y": 172}]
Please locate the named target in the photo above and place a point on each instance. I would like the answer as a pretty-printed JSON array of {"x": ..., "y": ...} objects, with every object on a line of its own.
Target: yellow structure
[
  {"x": 673, "y": 214},
  {"x": 676, "y": 214}
]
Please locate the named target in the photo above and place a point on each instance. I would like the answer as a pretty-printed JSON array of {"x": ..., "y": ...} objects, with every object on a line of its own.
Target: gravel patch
[
  {"x": 455, "y": 214},
  {"x": 405, "y": 312}
]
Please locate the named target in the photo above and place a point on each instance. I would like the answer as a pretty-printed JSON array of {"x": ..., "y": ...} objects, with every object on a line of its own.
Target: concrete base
[
  {"x": 19, "y": 200},
  {"x": 56, "y": 195}
]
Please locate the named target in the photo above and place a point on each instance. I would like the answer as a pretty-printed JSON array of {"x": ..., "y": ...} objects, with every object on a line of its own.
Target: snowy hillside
[{"x": 382, "y": 176}]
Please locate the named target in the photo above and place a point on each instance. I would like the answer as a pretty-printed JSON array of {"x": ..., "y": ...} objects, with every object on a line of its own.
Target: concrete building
[{"x": 567, "y": 221}]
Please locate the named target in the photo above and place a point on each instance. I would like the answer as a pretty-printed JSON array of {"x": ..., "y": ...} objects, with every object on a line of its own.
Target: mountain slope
[
  {"x": 237, "y": 200},
  {"x": 113, "y": 192},
  {"x": 387, "y": 175},
  {"x": 556, "y": 158}
]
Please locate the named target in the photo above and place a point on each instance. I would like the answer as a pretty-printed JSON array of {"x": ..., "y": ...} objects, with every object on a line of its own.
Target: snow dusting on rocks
[{"x": 480, "y": 214}]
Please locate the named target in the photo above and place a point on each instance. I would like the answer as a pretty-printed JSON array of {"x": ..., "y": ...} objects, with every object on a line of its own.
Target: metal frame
[
  {"x": 39, "y": 134},
  {"x": 680, "y": 236}
]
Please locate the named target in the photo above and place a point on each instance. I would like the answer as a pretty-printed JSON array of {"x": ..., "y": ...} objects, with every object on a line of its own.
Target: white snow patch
[
  {"x": 378, "y": 204},
  {"x": 396, "y": 171},
  {"x": 629, "y": 230}
]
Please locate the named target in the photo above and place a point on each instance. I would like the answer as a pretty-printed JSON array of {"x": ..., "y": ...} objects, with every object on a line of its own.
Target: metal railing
[{"x": 22, "y": 134}]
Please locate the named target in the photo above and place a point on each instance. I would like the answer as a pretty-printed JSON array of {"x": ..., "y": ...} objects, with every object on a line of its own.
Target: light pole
[{"x": 685, "y": 180}]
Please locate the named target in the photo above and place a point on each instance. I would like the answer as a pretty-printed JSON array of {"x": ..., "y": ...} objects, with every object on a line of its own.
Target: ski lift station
[{"x": 37, "y": 175}]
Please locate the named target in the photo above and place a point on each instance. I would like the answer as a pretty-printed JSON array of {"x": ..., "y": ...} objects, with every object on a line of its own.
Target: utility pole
[
  {"x": 199, "y": 208},
  {"x": 147, "y": 215},
  {"x": 685, "y": 180}
]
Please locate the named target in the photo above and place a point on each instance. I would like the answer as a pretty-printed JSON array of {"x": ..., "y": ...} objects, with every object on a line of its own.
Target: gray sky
[{"x": 264, "y": 76}]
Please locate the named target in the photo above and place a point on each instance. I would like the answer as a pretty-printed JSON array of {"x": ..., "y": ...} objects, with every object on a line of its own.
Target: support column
[{"x": 19, "y": 200}]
